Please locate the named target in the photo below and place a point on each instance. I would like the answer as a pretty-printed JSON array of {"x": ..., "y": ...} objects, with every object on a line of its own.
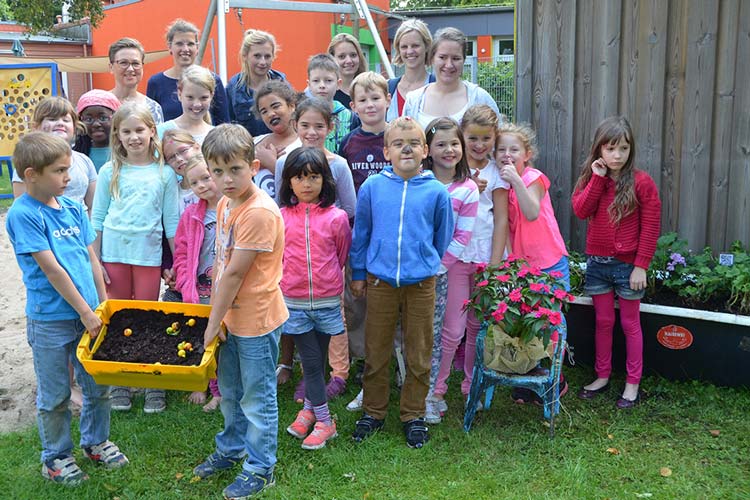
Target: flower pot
[
  {"x": 678, "y": 343},
  {"x": 508, "y": 354}
]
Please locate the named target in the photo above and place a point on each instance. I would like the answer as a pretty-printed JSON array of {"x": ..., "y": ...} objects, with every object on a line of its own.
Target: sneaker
[
  {"x": 442, "y": 407},
  {"x": 432, "y": 413},
  {"x": 119, "y": 399},
  {"x": 106, "y": 454},
  {"x": 366, "y": 427},
  {"x": 299, "y": 392},
  {"x": 302, "y": 425},
  {"x": 335, "y": 387},
  {"x": 215, "y": 463},
  {"x": 156, "y": 401},
  {"x": 64, "y": 470},
  {"x": 356, "y": 403},
  {"x": 318, "y": 437},
  {"x": 417, "y": 433},
  {"x": 248, "y": 484}
]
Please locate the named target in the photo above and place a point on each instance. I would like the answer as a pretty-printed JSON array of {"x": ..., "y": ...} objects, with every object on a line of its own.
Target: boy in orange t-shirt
[{"x": 247, "y": 297}]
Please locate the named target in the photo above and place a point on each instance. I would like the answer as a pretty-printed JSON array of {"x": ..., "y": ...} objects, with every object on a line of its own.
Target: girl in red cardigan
[{"x": 623, "y": 210}]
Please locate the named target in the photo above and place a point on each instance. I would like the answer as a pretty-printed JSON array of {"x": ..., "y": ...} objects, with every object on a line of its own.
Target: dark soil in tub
[{"x": 149, "y": 341}]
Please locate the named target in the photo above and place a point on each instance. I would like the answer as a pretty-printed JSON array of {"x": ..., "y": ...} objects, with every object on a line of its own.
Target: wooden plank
[
  {"x": 673, "y": 114},
  {"x": 724, "y": 102},
  {"x": 738, "y": 216},
  {"x": 524, "y": 59},
  {"x": 647, "y": 122},
  {"x": 696, "y": 152},
  {"x": 628, "y": 59}
]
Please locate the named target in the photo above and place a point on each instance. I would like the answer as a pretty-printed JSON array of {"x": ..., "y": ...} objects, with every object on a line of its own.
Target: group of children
[{"x": 269, "y": 229}]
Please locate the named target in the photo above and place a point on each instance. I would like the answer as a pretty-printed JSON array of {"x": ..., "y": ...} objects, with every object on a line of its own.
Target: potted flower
[
  {"x": 521, "y": 305},
  {"x": 695, "y": 315}
]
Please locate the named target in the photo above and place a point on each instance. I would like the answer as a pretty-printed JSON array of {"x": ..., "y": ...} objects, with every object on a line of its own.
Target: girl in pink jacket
[
  {"x": 195, "y": 250},
  {"x": 317, "y": 238}
]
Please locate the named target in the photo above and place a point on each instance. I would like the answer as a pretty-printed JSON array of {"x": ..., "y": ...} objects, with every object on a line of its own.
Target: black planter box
[{"x": 678, "y": 344}]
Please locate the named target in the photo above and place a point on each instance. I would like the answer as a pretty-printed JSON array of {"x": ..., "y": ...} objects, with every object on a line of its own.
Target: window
[{"x": 502, "y": 47}]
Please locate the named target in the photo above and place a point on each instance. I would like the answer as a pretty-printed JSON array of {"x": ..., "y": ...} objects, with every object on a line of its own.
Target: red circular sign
[{"x": 674, "y": 337}]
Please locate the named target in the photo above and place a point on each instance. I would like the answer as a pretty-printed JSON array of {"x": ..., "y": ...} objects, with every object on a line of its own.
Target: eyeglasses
[
  {"x": 89, "y": 120},
  {"x": 123, "y": 64},
  {"x": 180, "y": 153}
]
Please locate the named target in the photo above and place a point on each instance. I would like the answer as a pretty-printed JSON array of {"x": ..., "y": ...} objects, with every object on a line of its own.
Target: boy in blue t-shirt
[{"x": 52, "y": 238}]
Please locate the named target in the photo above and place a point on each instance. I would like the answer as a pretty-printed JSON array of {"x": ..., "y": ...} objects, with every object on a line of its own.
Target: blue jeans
[
  {"x": 247, "y": 382},
  {"x": 562, "y": 266},
  {"x": 53, "y": 345}
]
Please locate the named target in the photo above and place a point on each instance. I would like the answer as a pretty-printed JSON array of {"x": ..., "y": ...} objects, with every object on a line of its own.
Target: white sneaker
[
  {"x": 442, "y": 406},
  {"x": 432, "y": 412},
  {"x": 356, "y": 403}
]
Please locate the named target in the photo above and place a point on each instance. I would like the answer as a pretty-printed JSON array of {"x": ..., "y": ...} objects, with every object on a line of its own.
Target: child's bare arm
[
  {"x": 529, "y": 198},
  {"x": 96, "y": 268},
  {"x": 61, "y": 281},
  {"x": 500, "y": 229},
  {"x": 225, "y": 291},
  {"x": 97, "y": 247}
]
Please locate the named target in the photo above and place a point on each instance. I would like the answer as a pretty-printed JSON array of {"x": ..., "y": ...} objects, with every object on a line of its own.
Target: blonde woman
[
  {"x": 182, "y": 42},
  {"x": 348, "y": 54},
  {"x": 257, "y": 53},
  {"x": 412, "y": 43}
]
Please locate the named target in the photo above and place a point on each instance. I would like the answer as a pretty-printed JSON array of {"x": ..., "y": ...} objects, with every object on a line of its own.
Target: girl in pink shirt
[
  {"x": 317, "y": 241},
  {"x": 533, "y": 232}
]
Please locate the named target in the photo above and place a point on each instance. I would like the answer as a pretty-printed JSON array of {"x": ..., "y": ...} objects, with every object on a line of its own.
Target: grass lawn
[
  {"x": 687, "y": 440},
  {"x": 5, "y": 187}
]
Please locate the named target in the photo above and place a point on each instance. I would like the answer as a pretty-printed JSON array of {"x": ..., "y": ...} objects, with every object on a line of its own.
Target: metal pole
[
  {"x": 222, "y": 7},
  {"x": 365, "y": 11},
  {"x": 207, "y": 25}
]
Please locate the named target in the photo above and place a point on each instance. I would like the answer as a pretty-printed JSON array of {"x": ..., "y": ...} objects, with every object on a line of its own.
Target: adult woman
[
  {"x": 126, "y": 58},
  {"x": 182, "y": 41},
  {"x": 449, "y": 95},
  {"x": 412, "y": 42},
  {"x": 348, "y": 54},
  {"x": 257, "y": 54}
]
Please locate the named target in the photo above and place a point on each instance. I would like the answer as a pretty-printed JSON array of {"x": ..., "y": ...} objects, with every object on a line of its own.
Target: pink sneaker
[
  {"x": 318, "y": 437},
  {"x": 302, "y": 425}
]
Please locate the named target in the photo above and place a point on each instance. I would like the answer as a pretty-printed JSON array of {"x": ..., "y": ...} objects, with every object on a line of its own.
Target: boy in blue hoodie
[
  {"x": 322, "y": 81},
  {"x": 402, "y": 227}
]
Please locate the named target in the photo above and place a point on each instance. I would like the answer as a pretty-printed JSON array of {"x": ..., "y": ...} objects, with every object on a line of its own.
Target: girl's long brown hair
[{"x": 610, "y": 131}]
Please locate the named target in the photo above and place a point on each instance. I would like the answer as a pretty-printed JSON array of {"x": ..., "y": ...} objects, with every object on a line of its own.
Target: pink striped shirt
[{"x": 465, "y": 202}]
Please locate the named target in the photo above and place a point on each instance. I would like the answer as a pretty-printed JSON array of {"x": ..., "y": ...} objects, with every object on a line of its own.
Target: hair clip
[
  {"x": 433, "y": 130},
  {"x": 407, "y": 118}
]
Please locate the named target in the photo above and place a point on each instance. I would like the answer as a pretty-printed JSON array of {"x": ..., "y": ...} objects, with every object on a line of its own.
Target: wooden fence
[{"x": 679, "y": 70}]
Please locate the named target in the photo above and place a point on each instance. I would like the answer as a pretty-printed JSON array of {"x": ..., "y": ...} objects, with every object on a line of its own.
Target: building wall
[
  {"x": 678, "y": 70},
  {"x": 299, "y": 34}
]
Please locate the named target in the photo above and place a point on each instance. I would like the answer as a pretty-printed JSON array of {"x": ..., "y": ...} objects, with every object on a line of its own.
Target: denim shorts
[
  {"x": 604, "y": 274},
  {"x": 327, "y": 320}
]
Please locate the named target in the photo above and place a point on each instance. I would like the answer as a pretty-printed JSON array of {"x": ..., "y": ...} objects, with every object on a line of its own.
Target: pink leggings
[
  {"x": 630, "y": 320},
  {"x": 460, "y": 283},
  {"x": 133, "y": 282}
]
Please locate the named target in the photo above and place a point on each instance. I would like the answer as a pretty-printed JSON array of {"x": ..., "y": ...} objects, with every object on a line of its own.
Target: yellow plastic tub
[{"x": 151, "y": 376}]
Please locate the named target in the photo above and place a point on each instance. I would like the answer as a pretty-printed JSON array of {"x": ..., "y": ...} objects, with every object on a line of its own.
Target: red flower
[
  {"x": 498, "y": 316},
  {"x": 556, "y": 274},
  {"x": 502, "y": 307},
  {"x": 481, "y": 267},
  {"x": 571, "y": 297},
  {"x": 483, "y": 283},
  {"x": 467, "y": 303},
  {"x": 523, "y": 272},
  {"x": 515, "y": 295},
  {"x": 525, "y": 309},
  {"x": 535, "y": 271},
  {"x": 511, "y": 258},
  {"x": 561, "y": 294},
  {"x": 536, "y": 287},
  {"x": 555, "y": 318},
  {"x": 503, "y": 278}
]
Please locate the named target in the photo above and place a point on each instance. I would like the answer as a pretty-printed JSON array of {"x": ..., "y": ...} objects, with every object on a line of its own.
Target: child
[
  {"x": 52, "y": 237},
  {"x": 275, "y": 106},
  {"x": 317, "y": 240},
  {"x": 479, "y": 126},
  {"x": 623, "y": 209},
  {"x": 195, "y": 90},
  {"x": 533, "y": 233},
  {"x": 313, "y": 121},
  {"x": 195, "y": 252},
  {"x": 363, "y": 147},
  {"x": 179, "y": 147},
  {"x": 323, "y": 78},
  {"x": 247, "y": 298},
  {"x": 95, "y": 109},
  {"x": 136, "y": 196},
  {"x": 56, "y": 115},
  {"x": 403, "y": 226},
  {"x": 454, "y": 279}
]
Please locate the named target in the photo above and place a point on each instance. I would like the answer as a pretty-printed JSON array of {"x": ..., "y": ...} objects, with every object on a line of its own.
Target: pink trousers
[
  {"x": 133, "y": 282},
  {"x": 630, "y": 320}
]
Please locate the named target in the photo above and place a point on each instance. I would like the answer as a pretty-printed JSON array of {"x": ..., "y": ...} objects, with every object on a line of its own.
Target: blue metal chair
[{"x": 545, "y": 382}]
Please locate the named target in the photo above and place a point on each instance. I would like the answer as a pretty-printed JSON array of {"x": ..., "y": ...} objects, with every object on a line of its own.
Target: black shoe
[
  {"x": 417, "y": 433},
  {"x": 366, "y": 427}
]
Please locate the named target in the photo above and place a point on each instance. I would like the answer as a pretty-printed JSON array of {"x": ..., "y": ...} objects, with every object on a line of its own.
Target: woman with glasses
[
  {"x": 182, "y": 42},
  {"x": 95, "y": 109},
  {"x": 126, "y": 58}
]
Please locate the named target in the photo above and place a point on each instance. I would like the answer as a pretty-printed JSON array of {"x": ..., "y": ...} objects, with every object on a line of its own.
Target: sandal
[{"x": 283, "y": 373}]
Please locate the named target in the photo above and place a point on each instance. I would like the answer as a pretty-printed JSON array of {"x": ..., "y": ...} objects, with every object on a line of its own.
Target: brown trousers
[{"x": 417, "y": 305}]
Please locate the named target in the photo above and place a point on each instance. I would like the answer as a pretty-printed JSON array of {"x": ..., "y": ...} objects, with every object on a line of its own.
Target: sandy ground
[{"x": 17, "y": 382}]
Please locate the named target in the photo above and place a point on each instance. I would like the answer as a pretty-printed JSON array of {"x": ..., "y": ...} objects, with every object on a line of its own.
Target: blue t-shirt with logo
[{"x": 35, "y": 227}]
